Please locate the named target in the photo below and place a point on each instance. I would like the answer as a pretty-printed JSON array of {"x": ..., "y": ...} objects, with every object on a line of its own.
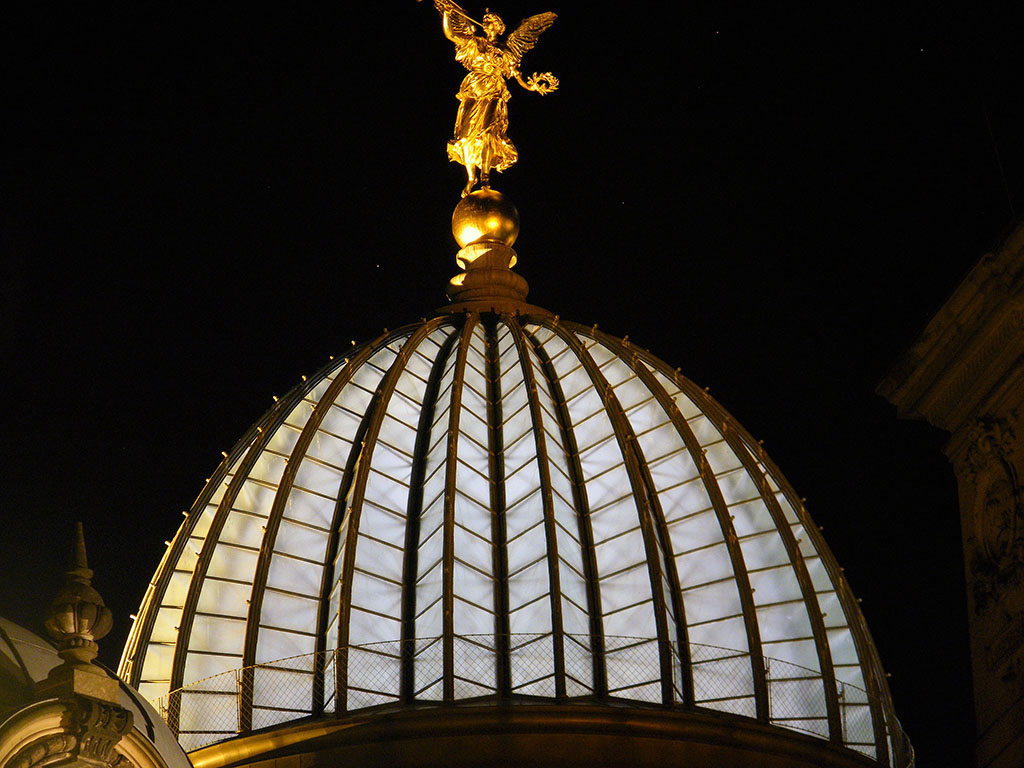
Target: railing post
[
  {"x": 319, "y": 665},
  {"x": 339, "y": 686},
  {"x": 238, "y": 700},
  {"x": 842, "y": 709}
]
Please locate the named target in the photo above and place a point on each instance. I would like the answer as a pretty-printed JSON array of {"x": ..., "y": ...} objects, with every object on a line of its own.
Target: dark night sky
[{"x": 199, "y": 207}]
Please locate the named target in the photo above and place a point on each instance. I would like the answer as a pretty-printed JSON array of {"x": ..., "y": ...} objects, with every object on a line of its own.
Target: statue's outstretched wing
[
  {"x": 525, "y": 36},
  {"x": 459, "y": 21}
]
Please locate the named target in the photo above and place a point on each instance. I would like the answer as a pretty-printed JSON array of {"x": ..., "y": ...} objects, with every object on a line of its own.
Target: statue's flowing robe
[{"x": 483, "y": 110}]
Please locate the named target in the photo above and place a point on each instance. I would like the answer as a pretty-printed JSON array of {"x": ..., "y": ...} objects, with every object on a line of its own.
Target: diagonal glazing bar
[
  {"x": 543, "y": 468},
  {"x": 496, "y": 471},
  {"x": 376, "y": 411},
  {"x": 660, "y": 522},
  {"x": 275, "y": 420},
  {"x": 415, "y": 508},
  {"x": 582, "y": 507},
  {"x": 728, "y": 530},
  {"x": 273, "y": 524},
  {"x": 626, "y": 441},
  {"x": 448, "y": 545}
]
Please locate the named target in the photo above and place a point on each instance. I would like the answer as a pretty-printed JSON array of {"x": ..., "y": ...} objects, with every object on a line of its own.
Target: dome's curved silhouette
[{"x": 503, "y": 507}]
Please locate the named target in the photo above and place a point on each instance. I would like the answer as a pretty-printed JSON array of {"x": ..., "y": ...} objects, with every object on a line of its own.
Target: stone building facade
[{"x": 965, "y": 375}]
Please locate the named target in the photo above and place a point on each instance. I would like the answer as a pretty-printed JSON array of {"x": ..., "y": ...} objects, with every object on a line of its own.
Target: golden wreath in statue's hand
[{"x": 542, "y": 82}]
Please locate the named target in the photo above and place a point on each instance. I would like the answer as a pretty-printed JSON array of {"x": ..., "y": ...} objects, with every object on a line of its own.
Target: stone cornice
[{"x": 970, "y": 357}]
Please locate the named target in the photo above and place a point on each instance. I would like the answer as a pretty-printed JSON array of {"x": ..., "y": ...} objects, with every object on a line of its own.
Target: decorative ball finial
[
  {"x": 77, "y": 617},
  {"x": 485, "y": 216},
  {"x": 485, "y": 224}
]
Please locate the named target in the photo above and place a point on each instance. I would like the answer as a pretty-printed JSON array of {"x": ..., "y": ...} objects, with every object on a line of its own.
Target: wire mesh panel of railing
[{"x": 251, "y": 698}]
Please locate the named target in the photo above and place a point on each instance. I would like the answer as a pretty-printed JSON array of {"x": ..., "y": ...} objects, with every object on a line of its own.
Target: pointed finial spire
[{"x": 77, "y": 618}]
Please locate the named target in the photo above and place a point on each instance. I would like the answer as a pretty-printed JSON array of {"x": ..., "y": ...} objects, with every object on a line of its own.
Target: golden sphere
[{"x": 485, "y": 216}]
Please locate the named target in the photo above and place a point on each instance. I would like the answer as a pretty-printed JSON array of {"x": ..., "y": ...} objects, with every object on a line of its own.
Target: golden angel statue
[{"x": 480, "y": 142}]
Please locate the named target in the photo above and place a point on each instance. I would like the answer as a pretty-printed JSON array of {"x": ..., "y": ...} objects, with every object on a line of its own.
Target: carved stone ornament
[
  {"x": 92, "y": 730},
  {"x": 990, "y": 441},
  {"x": 52, "y": 750},
  {"x": 997, "y": 561},
  {"x": 99, "y": 726},
  {"x": 72, "y": 732}
]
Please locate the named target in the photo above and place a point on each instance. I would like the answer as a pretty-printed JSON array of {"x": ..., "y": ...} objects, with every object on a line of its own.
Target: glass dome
[{"x": 503, "y": 506}]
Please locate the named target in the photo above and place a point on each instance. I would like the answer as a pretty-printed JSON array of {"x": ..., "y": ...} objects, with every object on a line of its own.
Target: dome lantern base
[{"x": 485, "y": 225}]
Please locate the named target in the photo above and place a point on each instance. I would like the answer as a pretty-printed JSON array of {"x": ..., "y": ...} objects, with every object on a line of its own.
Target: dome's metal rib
[
  {"x": 625, "y": 439},
  {"x": 879, "y": 702},
  {"x": 212, "y": 539},
  {"x": 628, "y": 619},
  {"x": 451, "y": 466},
  {"x": 667, "y": 555},
  {"x": 731, "y": 541},
  {"x": 661, "y": 526},
  {"x": 415, "y": 507},
  {"x": 475, "y": 589},
  {"x": 808, "y": 597},
  {"x": 741, "y": 450},
  {"x": 880, "y": 699},
  {"x": 554, "y": 584},
  {"x": 329, "y": 575},
  {"x": 499, "y": 529},
  {"x": 669, "y": 580},
  {"x": 267, "y": 549},
  {"x": 532, "y": 656},
  {"x": 661, "y": 548},
  {"x": 810, "y": 600},
  {"x": 377, "y": 412},
  {"x": 677, "y": 612},
  {"x": 340, "y": 546},
  {"x": 582, "y": 507},
  {"x": 427, "y": 578},
  {"x": 151, "y": 608},
  {"x": 574, "y": 584},
  {"x": 883, "y": 715}
]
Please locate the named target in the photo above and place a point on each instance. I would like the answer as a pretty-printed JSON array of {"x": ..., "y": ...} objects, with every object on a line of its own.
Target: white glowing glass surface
[{"x": 544, "y": 481}]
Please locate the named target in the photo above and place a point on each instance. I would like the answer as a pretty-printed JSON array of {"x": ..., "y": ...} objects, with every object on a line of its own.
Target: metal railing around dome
[{"x": 247, "y": 699}]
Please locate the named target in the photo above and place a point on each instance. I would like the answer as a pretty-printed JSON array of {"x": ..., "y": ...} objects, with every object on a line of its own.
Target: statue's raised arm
[
  {"x": 457, "y": 24},
  {"x": 480, "y": 142}
]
